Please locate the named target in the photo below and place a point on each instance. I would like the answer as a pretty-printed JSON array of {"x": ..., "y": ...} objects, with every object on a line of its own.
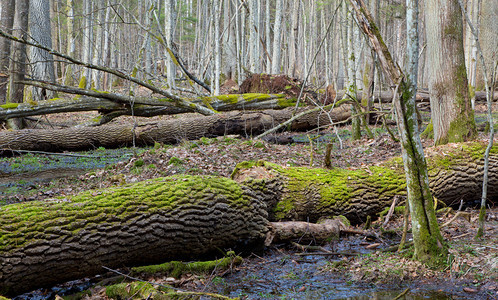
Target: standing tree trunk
[
  {"x": 86, "y": 76},
  {"x": 452, "y": 115},
  {"x": 71, "y": 42},
  {"x": 42, "y": 62},
  {"x": 169, "y": 29},
  {"x": 216, "y": 47},
  {"x": 17, "y": 66},
  {"x": 428, "y": 241},
  {"x": 277, "y": 37},
  {"x": 6, "y": 22}
]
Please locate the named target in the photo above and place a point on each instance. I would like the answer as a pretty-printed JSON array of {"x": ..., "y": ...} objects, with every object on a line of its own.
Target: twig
[
  {"x": 402, "y": 294},
  {"x": 391, "y": 210},
  {"x": 141, "y": 280}
]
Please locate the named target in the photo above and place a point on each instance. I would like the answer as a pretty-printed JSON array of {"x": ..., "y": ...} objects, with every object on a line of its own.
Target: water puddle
[{"x": 19, "y": 172}]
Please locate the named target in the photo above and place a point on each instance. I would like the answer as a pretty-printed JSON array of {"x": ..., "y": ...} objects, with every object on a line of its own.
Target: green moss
[
  {"x": 334, "y": 185},
  {"x": 175, "y": 161},
  {"x": 177, "y": 268},
  {"x": 138, "y": 163},
  {"x": 27, "y": 223},
  {"x": 246, "y": 165},
  {"x": 132, "y": 290},
  {"x": 9, "y": 105},
  {"x": 82, "y": 84},
  {"x": 428, "y": 133}
]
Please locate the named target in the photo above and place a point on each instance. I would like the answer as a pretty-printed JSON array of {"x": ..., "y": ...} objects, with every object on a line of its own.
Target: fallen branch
[{"x": 179, "y": 101}]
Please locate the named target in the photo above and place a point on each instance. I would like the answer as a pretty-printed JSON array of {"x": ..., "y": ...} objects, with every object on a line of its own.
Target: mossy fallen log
[
  {"x": 46, "y": 242},
  {"x": 306, "y": 194},
  {"x": 168, "y": 131}
]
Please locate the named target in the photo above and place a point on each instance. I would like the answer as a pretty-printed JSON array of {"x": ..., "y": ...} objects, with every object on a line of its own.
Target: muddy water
[
  {"x": 20, "y": 172},
  {"x": 282, "y": 275}
]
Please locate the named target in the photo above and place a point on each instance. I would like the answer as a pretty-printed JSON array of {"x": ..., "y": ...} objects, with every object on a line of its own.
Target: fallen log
[
  {"x": 112, "y": 105},
  {"x": 168, "y": 132},
  {"x": 308, "y": 194},
  {"x": 46, "y": 242}
]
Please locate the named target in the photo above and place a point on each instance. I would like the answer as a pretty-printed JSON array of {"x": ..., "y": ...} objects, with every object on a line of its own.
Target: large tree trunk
[
  {"x": 452, "y": 115},
  {"x": 42, "y": 62},
  {"x": 169, "y": 131},
  {"x": 306, "y": 194},
  {"x": 45, "y": 242},
  {"x": 17, "y": 66}
]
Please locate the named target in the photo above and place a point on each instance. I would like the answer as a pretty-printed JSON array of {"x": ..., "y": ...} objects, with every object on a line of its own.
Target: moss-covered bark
[
  {"x": 45, "y": 242},
  {"x": 42, "y": 243},
  {"x": 300, "y": 193},
  {"x": 168, "y": 132}
]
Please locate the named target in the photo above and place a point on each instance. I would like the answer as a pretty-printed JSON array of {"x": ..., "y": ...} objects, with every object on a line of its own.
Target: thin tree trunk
[
  {"x": 428, "y": 241},
  {"x": 6, "y": 22},
  {"x": 277, "y": 37}
]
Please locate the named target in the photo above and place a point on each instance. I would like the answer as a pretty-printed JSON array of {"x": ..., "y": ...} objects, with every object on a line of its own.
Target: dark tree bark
[{"x": 168, "y": 132}]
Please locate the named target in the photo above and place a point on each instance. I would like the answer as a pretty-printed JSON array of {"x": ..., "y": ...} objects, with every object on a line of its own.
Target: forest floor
[{"x": 471, "y": 270}]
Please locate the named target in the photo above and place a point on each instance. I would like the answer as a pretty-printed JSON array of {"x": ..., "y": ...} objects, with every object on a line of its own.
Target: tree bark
[
  {"x": 170, "y": 131},
  {"x": 7, "y": 22},
  {"x": 451, "y": 111},
  {"x": 113, "y": 105},
  {"x": 305, "y": 194},
  {"x": 46, "y": 242},
  {"x": 43, "y": 243},
  {"x": 17, "y": 66},
  {"x": 428, "y": 241}
]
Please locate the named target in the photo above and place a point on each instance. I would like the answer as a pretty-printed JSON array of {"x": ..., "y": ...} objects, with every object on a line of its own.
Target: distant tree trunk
[
  {"x": 71, "y": 42},
  {"x": 216, "y": 47},
  {"x": 6, "y": 22},
  {"x": 277, "y": 38},
  {"x": 267, "y": 35},
  {"x": 41, "y": 62},
  {"x": 451, "y": 111},
  {"x": 488, "y": 37},
  {"x": 254, "y": 29},
  {"x": 17, "y": 66},
  {"x": 169, "y": 29},
  {"x": 292, "y": 40},
  {"x": 86, "y": 76},
  {"x": 229, "y": 43}
]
